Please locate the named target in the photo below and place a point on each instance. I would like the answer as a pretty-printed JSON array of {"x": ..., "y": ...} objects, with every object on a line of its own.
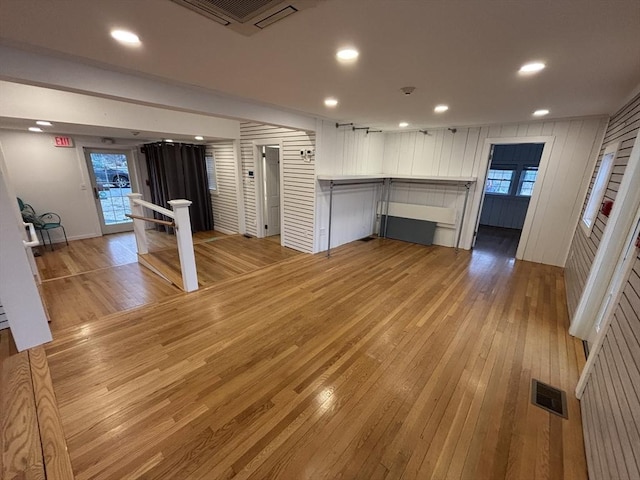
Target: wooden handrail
[{"x": 154, "y": 220}]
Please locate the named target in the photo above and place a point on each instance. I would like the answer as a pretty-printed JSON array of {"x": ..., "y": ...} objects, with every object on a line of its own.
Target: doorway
[
  {"x": 270, "y": 192},
  {"x": 509, "y": 184},
  {"x": 111, "y": 175}
]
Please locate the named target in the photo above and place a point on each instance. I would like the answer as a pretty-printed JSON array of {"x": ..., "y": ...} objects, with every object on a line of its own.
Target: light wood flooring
[
  {"x": 93, "y": 278},
  {"x": 388, "y": 360}
]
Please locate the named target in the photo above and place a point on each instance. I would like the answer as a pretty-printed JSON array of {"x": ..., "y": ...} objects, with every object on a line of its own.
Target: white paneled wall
[
  {"x": 559, "y": 192},
  {"x": 225, "y": 200},
  {"x": 298, "y": 195},
  {"x": 624, "y": 128},
  {"x": 343, "y": 151}
]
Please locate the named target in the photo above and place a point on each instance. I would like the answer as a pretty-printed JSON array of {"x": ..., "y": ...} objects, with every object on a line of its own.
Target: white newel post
[
  {"x": 185, "y": 244},
  {"x": 138, "y": 225}
]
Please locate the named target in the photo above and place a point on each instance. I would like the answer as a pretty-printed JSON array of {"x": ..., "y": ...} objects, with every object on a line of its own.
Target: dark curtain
[{"x": 179, "y": 170}]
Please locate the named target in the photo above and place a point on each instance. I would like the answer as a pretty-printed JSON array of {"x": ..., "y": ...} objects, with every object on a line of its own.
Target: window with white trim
[
  {"x": 599, "y": 188},
  {"x": 499, "y": 181},
  {"x": 528, "y": 177},
  {"x": 211, "y": 173}
]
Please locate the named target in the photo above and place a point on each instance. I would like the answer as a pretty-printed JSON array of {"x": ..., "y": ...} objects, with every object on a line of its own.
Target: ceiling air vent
[{"x": 246, "y": 16}]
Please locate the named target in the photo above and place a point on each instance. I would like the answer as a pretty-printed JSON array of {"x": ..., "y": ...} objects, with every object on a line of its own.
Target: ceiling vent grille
[{"x": 246, "y": 16}]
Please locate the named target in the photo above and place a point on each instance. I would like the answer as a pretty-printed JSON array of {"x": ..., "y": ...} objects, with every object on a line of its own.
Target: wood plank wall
[
  {"x": 443, "y": 153},
  {"x": 299, "y": 182},
  {"x": 610, "y": 404},
  {"x": 623, "y": 127},
  {"x": 344, "y": 151},
  {"x": 562, "y": 188},
  {"x": 225, "y": 200}
]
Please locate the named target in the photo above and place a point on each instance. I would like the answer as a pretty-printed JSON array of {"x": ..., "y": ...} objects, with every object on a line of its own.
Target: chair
[{"x": 43, "y": 223}]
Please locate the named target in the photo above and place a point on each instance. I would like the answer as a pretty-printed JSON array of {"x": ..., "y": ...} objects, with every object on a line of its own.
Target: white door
[
  {"x": 111, "y": 180},
  {"x": 271, "y": 176}
]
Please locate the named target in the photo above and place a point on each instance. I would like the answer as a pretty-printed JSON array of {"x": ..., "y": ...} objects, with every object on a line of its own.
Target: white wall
[
  {"x": 343, "y": 151},
  {"x": 558, "y": 194},
  {"x": 50, "y": 179},
  {"x": 297, "y": 180},
  {"x": 38, "y": 103},
  {"x": 20, "y": 297},
  {"x": 225, "y": 200}
]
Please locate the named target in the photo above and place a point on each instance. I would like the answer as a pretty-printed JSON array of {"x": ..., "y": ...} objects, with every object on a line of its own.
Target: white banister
[
  {"x": 185, "y": 244},
  {"x": 138, "y": 225},
  {"x": 182, "y": 220},
  {"x": 151, "y": 206}
]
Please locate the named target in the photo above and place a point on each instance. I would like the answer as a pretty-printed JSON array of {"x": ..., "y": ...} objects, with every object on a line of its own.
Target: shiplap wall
[
  {"x": 561, "y": 188},
  {"x": 623, "y": 127},
  {"x": 505, "y": 212},
  {"x": 4, "y": 323},
  {"x": 344, "y": 151},
  {"x": 299, "y": 192},
  {"x": 225, "y": 200},
  {"x": 610, "y": 403}
]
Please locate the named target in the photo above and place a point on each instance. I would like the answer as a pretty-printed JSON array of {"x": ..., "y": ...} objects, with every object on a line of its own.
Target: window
[
  {"x": 211, "y": 173},
  {"x": 599, "y": 188},
  {"x": 527, "y": 178},
  {"x": 499, "y": 181}
]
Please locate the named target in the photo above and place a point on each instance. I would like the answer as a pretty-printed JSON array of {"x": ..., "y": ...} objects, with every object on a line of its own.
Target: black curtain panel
[{"x": 179, "y": 170}]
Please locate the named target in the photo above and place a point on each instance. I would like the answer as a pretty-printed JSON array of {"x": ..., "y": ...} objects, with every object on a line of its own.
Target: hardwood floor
[
  {"x": 498, "y": 241},
  {"x": 388, "y": 360},
  {"x": 226, "y": 257}
]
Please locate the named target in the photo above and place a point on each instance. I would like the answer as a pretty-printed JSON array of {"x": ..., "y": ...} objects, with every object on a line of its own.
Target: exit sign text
[{"x": 63, "y": 141}]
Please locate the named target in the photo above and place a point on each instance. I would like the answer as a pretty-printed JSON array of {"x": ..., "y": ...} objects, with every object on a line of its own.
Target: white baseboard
[{"x": 225, "y": 231}]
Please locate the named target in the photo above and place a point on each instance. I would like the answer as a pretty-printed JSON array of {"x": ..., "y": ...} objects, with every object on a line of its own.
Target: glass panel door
[{"x": 111, "y": 180}]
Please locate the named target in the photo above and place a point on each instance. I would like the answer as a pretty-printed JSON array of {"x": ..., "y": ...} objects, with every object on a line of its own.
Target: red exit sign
[{"x": 63, "y": 141}]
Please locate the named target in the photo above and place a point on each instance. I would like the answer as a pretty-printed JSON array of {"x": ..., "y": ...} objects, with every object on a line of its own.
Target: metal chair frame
[{"x": 42, "y": 223}]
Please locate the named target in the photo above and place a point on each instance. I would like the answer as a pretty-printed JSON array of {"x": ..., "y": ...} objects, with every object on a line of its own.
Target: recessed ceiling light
[
  {"x": 35, "y": 129},
  {"x": 441, "y": 108},
  {"x": 199, "y": 137},
  {"x": 541, "y": 113},
  {"x": 347, "y": 54},
  {"x": 125, "y": 37},
  {"x": 532, "y": 67},
  {"x": 330, "y": 102},
  {"x": 44, "y": 123},
  {"x": 403, "y": 124},
  {"x": 168, "y": 140}
]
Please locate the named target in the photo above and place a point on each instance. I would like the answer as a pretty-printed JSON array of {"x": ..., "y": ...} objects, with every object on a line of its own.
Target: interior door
[
  {"x": 271, "y": 163},
  {"x": 111, "y": 181}
]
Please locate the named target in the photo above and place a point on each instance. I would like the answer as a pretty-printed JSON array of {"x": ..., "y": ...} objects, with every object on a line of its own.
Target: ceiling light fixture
[
  {"x": 441, "y": 108},
  {"x": 330, "y": 102},
  {"x": 532, "y": 67},
  {"x": 403, "y": 124},
  {"x": 126, "y": 38},
  {"x": 35, "y": 129},
  {"x": 347, "y": 54},
  {"x": 44, "y": 123},
  {"x": 168, "y": 140},
  {"x": 199, "y": 138},
  {"x": 541, "y": 113}
]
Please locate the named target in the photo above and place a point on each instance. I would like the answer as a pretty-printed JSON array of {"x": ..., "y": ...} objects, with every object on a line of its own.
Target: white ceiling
[
  {"x": 132, "y": 136},
  {"x": 462, "y": 53}
]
